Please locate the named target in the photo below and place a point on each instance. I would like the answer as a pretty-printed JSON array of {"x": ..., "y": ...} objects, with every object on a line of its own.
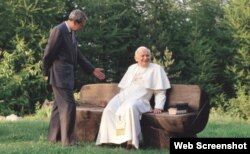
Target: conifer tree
[
  {"x": 25, "y": 27},
  {"x": 237, "y": 21}
]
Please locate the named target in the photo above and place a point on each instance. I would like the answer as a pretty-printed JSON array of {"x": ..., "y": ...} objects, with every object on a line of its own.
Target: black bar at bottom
[{"x": 198, "y": 145}]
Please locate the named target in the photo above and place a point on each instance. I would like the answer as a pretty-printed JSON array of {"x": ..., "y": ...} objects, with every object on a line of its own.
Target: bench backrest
[
  {"x": 191, "y": 94},
  {"x": 100, "y": 94}
]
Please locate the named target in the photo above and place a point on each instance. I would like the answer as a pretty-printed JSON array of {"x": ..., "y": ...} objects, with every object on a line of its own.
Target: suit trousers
[{"x": 63, "y": 114}]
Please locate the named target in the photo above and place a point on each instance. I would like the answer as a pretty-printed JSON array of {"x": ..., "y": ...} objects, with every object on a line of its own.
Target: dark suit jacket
[{"x": 61, "y": 57}]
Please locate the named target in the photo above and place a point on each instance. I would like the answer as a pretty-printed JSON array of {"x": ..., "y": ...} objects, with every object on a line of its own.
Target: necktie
[{"x": 73, "y": 37}]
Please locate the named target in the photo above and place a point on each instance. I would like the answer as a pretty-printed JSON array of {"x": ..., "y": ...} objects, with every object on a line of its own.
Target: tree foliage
[
  {"x": 111, "y": 34},
  {"x": 23, "y": 30},
  {"x": 204, "y": 42},
  {"x": 237, "y": 21}
]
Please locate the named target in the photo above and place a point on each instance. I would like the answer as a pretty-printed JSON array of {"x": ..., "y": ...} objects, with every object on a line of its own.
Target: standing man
[{"x": 60, "y": 59}]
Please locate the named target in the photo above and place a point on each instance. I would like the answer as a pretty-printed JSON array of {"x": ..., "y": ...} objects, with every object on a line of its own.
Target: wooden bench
[{"x": 156, "y": 129}]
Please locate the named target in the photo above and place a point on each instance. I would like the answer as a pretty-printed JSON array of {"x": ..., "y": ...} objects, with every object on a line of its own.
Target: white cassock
[{"x": 121, "y": 117}]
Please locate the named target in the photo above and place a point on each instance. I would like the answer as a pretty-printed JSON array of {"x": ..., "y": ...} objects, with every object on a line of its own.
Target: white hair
[{"x": 142, "y": 48}]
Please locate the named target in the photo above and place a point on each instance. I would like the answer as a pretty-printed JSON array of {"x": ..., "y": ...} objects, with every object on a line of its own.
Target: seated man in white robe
[{"x": 120, "y": 121}]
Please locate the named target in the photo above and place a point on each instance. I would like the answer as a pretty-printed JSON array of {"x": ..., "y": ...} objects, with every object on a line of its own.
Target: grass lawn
[
  {"x": 226, "y": 127},
  {"x": 29, "y": 136}
]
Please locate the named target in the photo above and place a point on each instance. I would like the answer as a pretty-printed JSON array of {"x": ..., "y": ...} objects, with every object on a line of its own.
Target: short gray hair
[{"x": 78, "y": 15}]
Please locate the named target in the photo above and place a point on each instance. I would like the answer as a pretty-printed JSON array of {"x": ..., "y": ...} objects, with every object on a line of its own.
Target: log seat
[{"x": 157, "y": 129}]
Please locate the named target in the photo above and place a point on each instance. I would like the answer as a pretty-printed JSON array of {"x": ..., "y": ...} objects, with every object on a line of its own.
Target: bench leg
[{"x": 156, "y": 138}]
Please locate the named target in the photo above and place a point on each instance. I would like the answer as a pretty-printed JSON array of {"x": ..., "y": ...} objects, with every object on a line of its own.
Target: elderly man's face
[
  {"x": 78, "y": 26},
  {"x": 143, "y": 58}
]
